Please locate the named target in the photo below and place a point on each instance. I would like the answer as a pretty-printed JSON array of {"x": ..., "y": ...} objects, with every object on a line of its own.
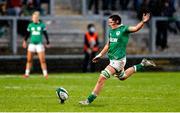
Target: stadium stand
[{"x": 66, "y": 37}]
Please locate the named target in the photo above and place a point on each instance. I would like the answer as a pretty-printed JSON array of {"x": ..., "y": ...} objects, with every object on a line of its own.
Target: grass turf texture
[{"x": 142, "y": 92}]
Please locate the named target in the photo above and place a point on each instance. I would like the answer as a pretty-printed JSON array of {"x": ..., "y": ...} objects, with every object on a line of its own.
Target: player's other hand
[
  {"x": 96, "y": 59},
  {"x": 146, "y": 17},
  {"x": 24, "y": 44},
  {"x": 47, "y": 45}
]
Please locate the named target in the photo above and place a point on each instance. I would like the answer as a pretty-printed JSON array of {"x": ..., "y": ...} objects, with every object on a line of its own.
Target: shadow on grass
[{"x": 92, "y": 105}]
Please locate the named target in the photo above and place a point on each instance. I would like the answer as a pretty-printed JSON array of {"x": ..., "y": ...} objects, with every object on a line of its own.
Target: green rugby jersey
[
  {"x": 36, "y": 31},
  {"x": 118, "y": 39}
]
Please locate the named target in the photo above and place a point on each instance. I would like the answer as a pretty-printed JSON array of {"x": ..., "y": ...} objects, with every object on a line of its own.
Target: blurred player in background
[
  {"x": 35, "y": 30},
  {"x": 90, "y": 47},
  {"x": 116, "y": 49}
]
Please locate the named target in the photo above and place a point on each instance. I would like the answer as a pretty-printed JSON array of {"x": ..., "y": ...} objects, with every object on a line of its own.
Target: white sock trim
[
  {"x": 45, "y": 72},
  {"x": 135, "y": 68},
  {"x": 27, "y": 72},
  {"x": 94, "y": 94}
]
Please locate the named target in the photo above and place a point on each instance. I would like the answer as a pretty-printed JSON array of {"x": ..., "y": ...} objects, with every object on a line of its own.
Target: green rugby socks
[
  {"x": 139, "y": 67},
  {"x": 91, "y": 98}
]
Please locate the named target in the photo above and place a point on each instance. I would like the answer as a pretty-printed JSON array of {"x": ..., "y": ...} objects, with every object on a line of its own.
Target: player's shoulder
[
  {"x": 30, "y": 24},
  {"x": 41, "y": 22},
  {"x": 123, "y": 27}
]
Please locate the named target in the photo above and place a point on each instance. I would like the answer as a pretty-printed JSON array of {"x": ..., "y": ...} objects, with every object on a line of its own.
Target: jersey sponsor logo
[
  {"x": 39, "y": 28},
  {"x": 118, "y": 33},
  {"x": 35, "y": 33},
  {"x": 113, "y": 39},
  {"x": 32, "y": 29}
]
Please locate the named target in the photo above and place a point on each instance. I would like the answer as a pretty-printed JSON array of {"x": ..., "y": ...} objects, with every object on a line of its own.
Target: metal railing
[
  {"x": 14, "y": 19},
  {"x": 153, "y": 31},
  {"x": 103, "y": 20}
]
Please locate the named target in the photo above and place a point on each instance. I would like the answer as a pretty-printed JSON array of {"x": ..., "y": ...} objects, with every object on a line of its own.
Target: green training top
[
  {"x": 36, "y": 31},
  {"x": 118, "y": 39}
]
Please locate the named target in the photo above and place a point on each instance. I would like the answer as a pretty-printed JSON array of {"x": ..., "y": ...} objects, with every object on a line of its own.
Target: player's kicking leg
[
  {"x": 136, "y": 68},
  {"x": 97, "y": 89}
]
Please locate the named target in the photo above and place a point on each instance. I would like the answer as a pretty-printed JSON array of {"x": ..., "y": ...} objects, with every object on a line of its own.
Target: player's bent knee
[
  {"x": 106, "y": 73},
  {"x": 122, "y": 76}
]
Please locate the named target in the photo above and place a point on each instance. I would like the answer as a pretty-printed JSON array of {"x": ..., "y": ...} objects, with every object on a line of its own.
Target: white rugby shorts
[
  {"x": 118, "y": 64},
  {"x": 36, "y": 48}
]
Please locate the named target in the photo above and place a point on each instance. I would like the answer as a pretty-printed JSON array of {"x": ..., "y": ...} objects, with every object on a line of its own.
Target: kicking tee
[
  {"x": 36, "y": 31},
  {"x": 118, "y": 39}
]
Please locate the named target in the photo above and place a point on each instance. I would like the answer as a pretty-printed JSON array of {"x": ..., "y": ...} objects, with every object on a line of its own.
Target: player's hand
[
  {"x": 146, "y": 17},
  {"x": 47, "y": 45},
  {"x": 96, "y": 59},
  {"x": 24, "y": 44}
]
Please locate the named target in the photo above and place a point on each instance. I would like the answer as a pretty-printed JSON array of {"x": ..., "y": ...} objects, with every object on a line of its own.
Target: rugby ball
[{"x": 62, "y": 94}]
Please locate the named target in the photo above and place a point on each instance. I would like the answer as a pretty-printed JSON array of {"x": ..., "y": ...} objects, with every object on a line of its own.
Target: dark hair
[
  {"x": 116, "y": 18},
  {"x": 90, "y": 25}
]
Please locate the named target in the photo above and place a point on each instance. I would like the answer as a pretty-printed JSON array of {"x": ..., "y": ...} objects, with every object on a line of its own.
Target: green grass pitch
[{"x": 143, "y": 92}]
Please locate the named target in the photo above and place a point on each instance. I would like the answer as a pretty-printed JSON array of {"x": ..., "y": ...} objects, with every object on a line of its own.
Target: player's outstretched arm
[
  {"x": 102, "y": 53},
  {"x": 145, "y": 18}
]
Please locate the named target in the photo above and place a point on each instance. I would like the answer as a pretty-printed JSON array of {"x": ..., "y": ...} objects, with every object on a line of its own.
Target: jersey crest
[{"x": 118, "y": 33}]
